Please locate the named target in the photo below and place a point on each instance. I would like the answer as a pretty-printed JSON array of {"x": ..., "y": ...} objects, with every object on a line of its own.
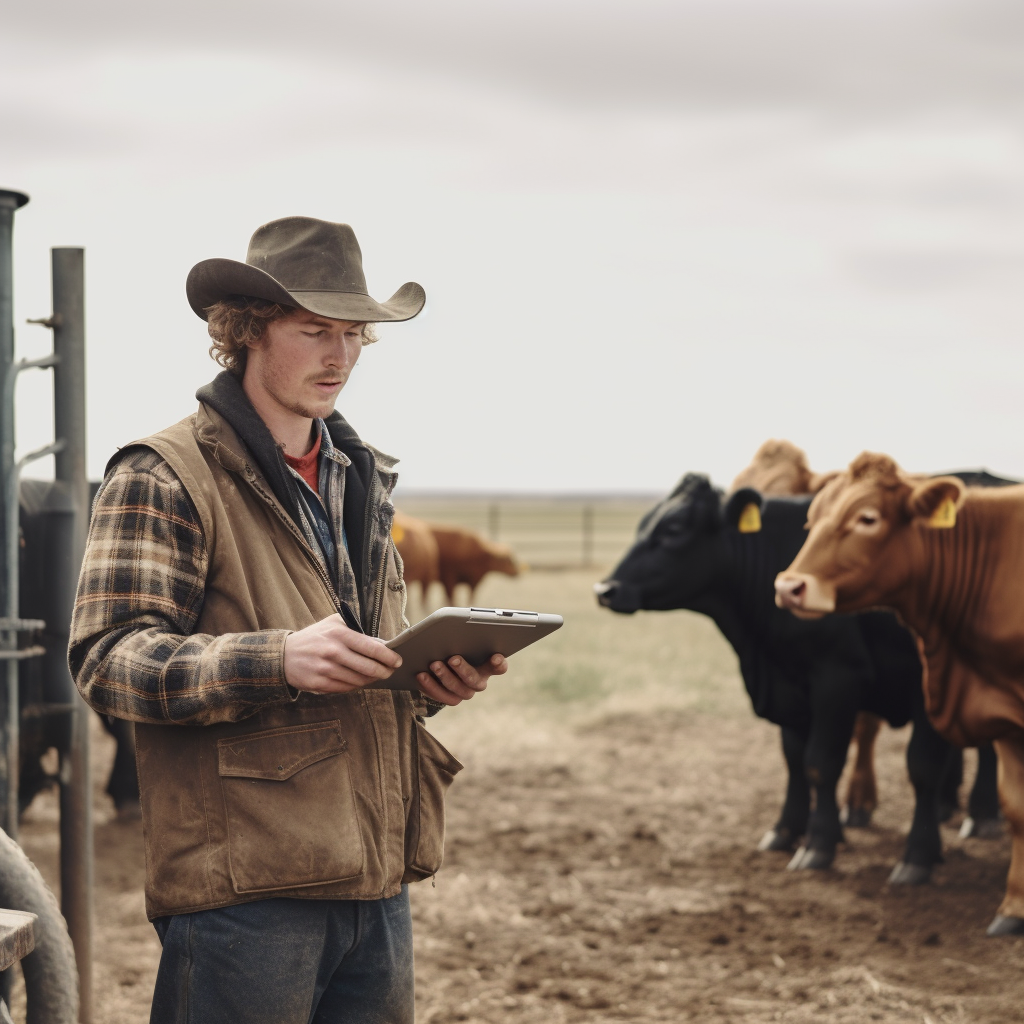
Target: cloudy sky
[{"x": 652, "y": 233}]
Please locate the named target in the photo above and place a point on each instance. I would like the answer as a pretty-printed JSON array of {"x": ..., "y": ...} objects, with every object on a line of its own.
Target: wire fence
[{"x": 546, "y": 532}]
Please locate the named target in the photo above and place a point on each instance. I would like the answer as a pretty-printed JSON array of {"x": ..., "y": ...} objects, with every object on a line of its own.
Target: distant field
[{"x": 547, "y": 532}]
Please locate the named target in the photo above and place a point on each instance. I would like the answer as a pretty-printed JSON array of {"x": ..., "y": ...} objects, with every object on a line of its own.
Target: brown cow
[
  {"x": 418, "y": 548},
  {"x": 779, "y": 468},
  {"x": 950, "y": 561},
  {"x": 465, "y": 557}
]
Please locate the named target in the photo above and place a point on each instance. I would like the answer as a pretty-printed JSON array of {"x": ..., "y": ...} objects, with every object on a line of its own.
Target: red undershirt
[{"x": 307, "y": 466}]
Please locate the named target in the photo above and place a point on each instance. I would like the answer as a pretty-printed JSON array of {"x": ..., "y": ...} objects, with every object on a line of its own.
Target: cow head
[
  {"x": 862, "y": 526},
  {"x": 676, "y": 557},
  {"x": 500, "y": 558}
]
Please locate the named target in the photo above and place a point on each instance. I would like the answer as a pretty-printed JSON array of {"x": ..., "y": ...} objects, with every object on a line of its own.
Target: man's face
[{"x": 304, "y": 361}]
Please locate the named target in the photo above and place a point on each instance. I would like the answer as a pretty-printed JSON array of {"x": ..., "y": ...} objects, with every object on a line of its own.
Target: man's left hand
[{"x": 455, "y": 681}]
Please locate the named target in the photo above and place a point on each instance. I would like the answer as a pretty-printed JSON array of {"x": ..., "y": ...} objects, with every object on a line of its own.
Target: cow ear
[
  {"x": 934, "y": 503},
  {"x": 743, "y": 510}
]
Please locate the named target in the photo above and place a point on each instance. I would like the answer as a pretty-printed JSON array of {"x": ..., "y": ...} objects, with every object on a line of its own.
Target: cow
[
  {"x": 780, "y": 468},
  {"x": 699, "y": 551},
  {"x": 465, "y": 557},
  {"x": 949, "y": 560},
  {"x": 418, "y": 548}
]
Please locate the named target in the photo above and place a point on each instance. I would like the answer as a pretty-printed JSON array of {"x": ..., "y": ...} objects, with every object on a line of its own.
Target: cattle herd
[{"x": 850, "y": 598}]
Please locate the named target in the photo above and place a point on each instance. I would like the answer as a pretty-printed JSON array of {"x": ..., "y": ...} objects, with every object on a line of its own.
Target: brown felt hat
[{"x": 301, "y": 261}]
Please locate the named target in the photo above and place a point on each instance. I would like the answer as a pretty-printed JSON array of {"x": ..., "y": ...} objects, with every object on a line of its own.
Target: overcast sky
[{"x": 652, "y": 234}]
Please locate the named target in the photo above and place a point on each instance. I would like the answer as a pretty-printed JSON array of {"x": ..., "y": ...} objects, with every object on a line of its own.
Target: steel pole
[
  {"x": 76, "y": 835},
  {"x": 10, "y": 201}
]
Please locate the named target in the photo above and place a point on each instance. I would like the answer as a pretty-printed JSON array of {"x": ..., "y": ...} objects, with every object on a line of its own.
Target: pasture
[{"x": 600, "y": 857}]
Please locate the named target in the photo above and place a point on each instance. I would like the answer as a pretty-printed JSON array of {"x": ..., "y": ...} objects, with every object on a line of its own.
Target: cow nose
[
  {"x": 790, "y": 593},
  {"x": 605, "y": 591}
]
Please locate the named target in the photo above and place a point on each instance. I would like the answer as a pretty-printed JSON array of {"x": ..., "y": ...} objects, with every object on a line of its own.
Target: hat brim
[{"x": 212, "y": 280}]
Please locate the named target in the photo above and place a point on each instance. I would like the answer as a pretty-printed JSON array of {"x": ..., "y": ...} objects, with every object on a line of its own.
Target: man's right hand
[{"x": 328, "y": 657}]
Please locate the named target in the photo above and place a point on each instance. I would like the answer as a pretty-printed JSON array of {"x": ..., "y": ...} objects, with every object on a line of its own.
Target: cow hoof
[
  {"x": 857, "y": 817},
  {"x": 910, "y": 874},
  {"x": 1005, "y": 926},
  {"x": 810, "y": 859},
  {"x": 981, "y": 828},
  {"x": 777, "y": 839}
]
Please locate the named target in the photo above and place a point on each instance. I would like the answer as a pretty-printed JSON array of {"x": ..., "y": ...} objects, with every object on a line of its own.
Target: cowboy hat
[{"x": 301, "y": 261}]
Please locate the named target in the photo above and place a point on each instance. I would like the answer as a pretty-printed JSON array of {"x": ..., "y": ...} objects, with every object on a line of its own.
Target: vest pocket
[
  {"x": 290, "y": 809},
  {"x": 424, "y": 834}
]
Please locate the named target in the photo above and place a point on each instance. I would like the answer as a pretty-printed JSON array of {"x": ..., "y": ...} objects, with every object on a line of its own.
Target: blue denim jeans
[{"x": 285, "y": 961}]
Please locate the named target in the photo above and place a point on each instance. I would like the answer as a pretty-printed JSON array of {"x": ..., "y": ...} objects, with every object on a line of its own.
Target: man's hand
[
  {"x": 328, "y": 657},
  {"x": 456, "y": 681}
]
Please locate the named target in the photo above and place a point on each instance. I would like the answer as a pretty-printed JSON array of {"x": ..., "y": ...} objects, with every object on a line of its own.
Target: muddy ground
[{"x": 601, "y": 862}]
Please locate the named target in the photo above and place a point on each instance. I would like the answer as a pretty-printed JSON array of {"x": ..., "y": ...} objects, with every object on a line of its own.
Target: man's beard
[{"x": 296, "y": 405}]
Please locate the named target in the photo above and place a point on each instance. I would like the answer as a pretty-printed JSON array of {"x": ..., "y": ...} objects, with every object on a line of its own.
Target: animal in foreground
[
  {"x": 418, "y": 549},
  {"x": 950, "y": 560},
  {"x": 720, "y": 557},
  {"x": 466, "y": 557},
  {"x": 780, "y": 468}
]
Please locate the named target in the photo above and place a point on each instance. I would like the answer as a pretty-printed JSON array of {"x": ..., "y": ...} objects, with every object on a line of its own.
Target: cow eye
[{"x": 867, "y": 518}]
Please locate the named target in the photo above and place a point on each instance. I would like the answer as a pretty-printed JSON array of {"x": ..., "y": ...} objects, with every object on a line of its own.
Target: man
[{"x": 238, "y": 584}]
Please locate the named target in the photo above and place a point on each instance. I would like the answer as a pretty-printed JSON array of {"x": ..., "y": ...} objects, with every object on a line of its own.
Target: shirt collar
[{"x": 327, "y": 449}]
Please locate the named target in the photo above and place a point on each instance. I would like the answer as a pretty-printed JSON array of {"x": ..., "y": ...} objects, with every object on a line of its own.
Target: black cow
[{"x": 695, "y": 550}]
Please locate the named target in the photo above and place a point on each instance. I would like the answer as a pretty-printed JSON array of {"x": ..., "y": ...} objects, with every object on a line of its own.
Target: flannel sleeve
[{"x": 133, "y": 652}]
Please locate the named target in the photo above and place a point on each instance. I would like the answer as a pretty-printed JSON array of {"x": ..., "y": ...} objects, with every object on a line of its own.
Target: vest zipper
[{"x": 378, "y": 592}]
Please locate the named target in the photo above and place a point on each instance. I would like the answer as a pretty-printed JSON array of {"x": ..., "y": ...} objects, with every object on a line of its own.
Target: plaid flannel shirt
[{"x": 133, "y": 650}]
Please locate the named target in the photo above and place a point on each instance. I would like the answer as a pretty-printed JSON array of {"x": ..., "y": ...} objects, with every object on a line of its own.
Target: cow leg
[
  {"x": 792, "y": 821},
  {"x": 949, "y": 787},
  {"x": 833, "y": 710},
  {"x": 928, "y": 757},
  {"x": 123, "y": 785},
  {"x": 862, "y": 793},
  {"x": 982, "y": 821},
  {"x": 1009, "y": 919}
]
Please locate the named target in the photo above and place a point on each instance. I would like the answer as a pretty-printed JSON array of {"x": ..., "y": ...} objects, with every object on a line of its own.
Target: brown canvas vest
[{"x": 336, "y": 797}]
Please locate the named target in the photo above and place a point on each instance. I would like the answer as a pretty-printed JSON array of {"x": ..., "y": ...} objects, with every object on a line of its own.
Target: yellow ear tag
[
  {"x": 750, "y": 519},
  {"x": 944, "y": 517},
  {"x": 397, "y": 533}
]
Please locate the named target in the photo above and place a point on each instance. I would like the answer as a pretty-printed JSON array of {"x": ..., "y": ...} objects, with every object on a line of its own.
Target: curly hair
[{"x": 240, "y": 321}]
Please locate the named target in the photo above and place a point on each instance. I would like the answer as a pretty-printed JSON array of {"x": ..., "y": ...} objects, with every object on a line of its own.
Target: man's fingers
[
  {"x": 370, "y": 647},
  {"x": 349, "y": 659},
  {"x": 433, "y": 689}
]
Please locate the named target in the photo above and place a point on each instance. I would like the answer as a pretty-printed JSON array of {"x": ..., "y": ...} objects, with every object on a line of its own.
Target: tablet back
[{"x": 473, "y": 633}]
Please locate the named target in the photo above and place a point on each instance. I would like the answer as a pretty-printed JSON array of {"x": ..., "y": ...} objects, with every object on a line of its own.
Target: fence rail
[{"x": 545, "y": 532}]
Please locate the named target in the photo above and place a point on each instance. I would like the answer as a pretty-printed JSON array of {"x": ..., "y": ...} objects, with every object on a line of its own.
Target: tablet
[{"x": 473, "y": 633}]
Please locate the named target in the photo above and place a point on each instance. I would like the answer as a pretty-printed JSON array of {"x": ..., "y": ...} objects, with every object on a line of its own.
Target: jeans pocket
[
  {"x": 424, "y": 836},
  {"x": 291, "y": 812}
]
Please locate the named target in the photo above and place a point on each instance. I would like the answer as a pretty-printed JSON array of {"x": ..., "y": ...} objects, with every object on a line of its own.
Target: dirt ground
[{"x": 600, "y": 858}]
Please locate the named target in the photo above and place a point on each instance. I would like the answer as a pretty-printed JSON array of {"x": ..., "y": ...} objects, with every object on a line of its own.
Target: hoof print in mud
[
  {"x": 1005, "y": 926},
  {"x": 910, "y": 874},
  {"x": 811, "y": 859},
  {"x": 777, "y": 839}
]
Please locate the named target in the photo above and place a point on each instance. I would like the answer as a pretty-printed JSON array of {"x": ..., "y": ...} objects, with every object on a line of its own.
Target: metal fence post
[
  {"x": 76, "y": 835},
  {"x": 9, "y": 202}
]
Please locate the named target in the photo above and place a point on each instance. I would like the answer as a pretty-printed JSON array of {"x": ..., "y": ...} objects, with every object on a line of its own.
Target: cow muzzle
[
  {"x": 619, "y": 597},
  {"x": 804, "y": 595}
]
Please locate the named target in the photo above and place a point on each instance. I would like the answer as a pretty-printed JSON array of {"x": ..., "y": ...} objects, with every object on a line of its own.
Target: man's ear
[
  {"x": 934, "y": 502},
  {"x": 743, "y": 510}
]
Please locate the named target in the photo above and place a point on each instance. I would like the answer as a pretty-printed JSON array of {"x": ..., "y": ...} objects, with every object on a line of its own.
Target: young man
[{"x": 238, "y": 584}]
